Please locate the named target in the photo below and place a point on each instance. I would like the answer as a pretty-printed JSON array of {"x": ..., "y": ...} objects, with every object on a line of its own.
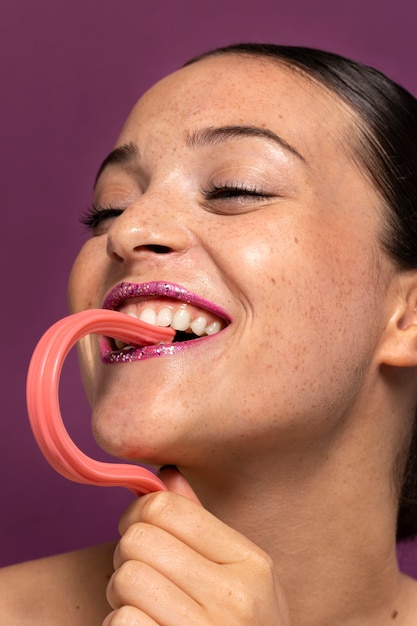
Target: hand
[{"x": 176, "y": 564}]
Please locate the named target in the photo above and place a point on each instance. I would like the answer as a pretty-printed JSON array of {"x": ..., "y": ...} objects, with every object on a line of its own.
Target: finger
[
  {"x": 166, "y": 554},
  {"x": 129, "y": 616},
  {"x": 191, "y": 524},
  {"x": 175, "y": 481},
  {"x": 139, "y": 585}
]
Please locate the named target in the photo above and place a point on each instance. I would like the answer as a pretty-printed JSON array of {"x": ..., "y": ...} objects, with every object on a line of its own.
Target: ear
[{"x": 399, "y": 343}]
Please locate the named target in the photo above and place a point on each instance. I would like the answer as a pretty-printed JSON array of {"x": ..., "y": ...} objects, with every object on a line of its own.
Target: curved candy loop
[{"x": 43, "y": 401}]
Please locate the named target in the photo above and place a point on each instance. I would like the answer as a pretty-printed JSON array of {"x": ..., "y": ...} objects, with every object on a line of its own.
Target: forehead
[{"x": 238, "y": 90}]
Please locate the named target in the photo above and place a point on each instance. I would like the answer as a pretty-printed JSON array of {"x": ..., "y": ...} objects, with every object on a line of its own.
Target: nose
[{"x": 140, "y": 233}]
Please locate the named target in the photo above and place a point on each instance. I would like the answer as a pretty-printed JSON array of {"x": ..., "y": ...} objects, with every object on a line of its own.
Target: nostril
[
  {"x": 117, "y": 255},
  {"x": 158, "y": 249}
]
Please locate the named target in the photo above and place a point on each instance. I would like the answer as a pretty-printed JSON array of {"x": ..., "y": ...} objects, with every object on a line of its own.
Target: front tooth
[
  {"x": 213, "y": 328},
  {"x": 148, "y": 315},
  {"x": 180, "y": 320},
  {"x": 198, "y": 326},
  {"x": 164, "y": 317}
]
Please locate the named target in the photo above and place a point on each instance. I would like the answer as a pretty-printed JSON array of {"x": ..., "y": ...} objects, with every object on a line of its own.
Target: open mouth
[{"x": 164, "y": 305}]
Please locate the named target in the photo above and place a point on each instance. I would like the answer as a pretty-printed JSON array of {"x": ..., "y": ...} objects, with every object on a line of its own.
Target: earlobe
[{"x": 399, "y": 345}]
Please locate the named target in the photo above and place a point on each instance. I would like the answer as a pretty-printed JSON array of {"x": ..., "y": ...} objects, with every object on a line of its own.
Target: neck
[{"x": 327, "y": 519}]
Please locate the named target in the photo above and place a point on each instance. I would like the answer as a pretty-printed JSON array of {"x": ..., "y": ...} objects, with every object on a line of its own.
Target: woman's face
[{"x": 238, "y": 185}]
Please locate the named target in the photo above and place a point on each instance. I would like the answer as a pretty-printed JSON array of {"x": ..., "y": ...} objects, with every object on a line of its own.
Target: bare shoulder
[{"x": 65, "y": 590}]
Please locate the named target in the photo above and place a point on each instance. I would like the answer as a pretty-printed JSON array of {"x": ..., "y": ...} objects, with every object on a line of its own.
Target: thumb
[{"x": 175, "y": 481}]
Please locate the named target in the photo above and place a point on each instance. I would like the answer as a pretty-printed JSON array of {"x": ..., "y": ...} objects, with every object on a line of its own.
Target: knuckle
[
  {"x": 133, "y": 536},
  {"x": 134, "y": 541},
  {"x": 157, "y": 506},
  {"x": 268, "y": 564},
  {"x": 253, "y": 593},
  {"x": 121, "y": 617},
  {"x": 262, "y": 564},
  {"x": 122, "y": 581}
]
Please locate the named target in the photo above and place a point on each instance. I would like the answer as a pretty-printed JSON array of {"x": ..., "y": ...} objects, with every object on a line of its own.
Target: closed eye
[
  {"x": 95, "y": 217},
  {"x": 224, "y": 192}
]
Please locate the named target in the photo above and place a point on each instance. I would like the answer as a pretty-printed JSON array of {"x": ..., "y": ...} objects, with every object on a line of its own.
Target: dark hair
[{"x": 387, "y": 152}]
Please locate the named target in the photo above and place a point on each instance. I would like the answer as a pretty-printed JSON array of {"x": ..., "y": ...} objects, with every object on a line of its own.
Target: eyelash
[
  {"x": 228, "y": 191},
  {"x": 95, "y": 215}
]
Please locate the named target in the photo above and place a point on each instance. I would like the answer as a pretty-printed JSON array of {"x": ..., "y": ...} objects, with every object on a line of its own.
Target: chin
[{"x": 137, "y": 444}]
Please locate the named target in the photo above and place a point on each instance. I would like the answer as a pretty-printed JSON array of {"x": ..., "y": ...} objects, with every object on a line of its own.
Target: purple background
[{"x": 70, "y": 72}]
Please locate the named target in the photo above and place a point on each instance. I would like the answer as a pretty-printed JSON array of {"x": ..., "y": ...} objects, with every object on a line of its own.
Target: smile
[{"x": 165, "y": 305}]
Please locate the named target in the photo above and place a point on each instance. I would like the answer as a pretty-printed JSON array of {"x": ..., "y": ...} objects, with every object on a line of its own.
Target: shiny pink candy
[{"x": 43, "y": 402}]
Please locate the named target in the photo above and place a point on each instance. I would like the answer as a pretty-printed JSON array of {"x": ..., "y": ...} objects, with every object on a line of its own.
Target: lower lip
[{"x": 145, "y": 352}]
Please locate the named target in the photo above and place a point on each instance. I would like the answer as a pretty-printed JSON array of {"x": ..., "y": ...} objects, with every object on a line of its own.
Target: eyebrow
[
  {"x": 125, "y": 154},
  {"x": 122, "y": 155},
  {"x": 214, "y": 134}
]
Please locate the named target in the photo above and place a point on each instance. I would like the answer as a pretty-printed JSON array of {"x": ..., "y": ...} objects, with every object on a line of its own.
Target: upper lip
[{"x": 126, "y": 290}]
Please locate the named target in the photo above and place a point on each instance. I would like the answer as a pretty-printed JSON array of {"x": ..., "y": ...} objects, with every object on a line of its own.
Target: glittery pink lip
[{"x": 124, "y": 291}]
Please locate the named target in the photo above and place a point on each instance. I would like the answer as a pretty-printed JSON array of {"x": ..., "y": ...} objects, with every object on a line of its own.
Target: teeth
[
  {"x": 213, "y": 328},
  {"x": 164, "y": 317},
  {"x": 180, "y": 320},
  {"x": 148, "y": 315},
  {"x": 198, "y": 326}
]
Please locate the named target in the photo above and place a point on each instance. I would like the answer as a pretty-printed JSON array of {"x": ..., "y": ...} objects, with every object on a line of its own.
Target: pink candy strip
[{"x": 43, "y": 400}]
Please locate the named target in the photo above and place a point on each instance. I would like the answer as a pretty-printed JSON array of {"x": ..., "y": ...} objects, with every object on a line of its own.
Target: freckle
[
  {"x": 273, "y": 281},
  {"x": 295, "y": 240},
  {"x": 394, "y": 614}
]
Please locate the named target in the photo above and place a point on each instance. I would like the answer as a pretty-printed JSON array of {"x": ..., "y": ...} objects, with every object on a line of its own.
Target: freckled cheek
[
  {"x": 273, "y": 280},
  {"x": 290, "y": 283},
  {"x": 257, "y": 260},
  {"x": 268, "y": 268},
  {"x": 84, "y": 280}
]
